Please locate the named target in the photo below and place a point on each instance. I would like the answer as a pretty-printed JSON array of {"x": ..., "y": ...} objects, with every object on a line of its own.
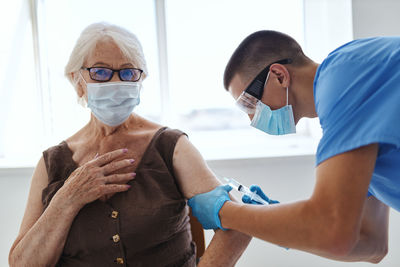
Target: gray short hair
[{"x": 97, "y": 32}]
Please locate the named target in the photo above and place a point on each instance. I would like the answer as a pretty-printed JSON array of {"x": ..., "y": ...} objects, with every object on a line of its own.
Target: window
[
  {"x": 186, "y": 44},
  {"x": 20, "y": 111},
  {"x": 202, "y": 36},
  {"x": 198, "y": 52}
]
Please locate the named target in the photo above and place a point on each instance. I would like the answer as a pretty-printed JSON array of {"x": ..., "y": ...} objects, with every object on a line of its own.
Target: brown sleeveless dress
[{"x": 148, "y": 225}]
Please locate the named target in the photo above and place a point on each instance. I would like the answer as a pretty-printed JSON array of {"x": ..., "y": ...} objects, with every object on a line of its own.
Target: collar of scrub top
[{"x": 256, "y": 87}]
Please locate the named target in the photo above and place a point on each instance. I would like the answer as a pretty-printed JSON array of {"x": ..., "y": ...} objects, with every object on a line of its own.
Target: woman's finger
[
  {"x": 115, "y": 188},
  {"x": 119, "y": 178},
  {"x": 116, "y": 165},
  {"x": 108, "y": 157}
]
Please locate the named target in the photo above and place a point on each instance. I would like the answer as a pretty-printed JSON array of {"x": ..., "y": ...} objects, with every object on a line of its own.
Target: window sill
[
  {"x": 250, "y": 143},
  {"x": 223, "y": 145}
]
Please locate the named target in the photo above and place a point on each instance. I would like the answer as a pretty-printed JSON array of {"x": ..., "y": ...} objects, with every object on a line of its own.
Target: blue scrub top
[{"x": 357, "y": 98}]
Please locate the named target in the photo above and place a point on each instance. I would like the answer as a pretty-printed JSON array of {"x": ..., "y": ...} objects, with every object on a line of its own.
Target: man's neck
[{"x": 304, "y": 80}]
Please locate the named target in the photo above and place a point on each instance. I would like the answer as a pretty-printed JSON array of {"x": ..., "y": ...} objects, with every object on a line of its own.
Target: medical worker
[{"x": 355, "y": 92}]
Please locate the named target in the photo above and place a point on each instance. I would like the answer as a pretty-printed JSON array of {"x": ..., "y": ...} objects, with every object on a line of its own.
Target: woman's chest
[{"x": 136, "y": 145}]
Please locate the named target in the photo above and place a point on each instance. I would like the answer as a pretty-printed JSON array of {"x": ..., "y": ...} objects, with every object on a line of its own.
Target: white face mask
[{"x": 113, "y": 102}]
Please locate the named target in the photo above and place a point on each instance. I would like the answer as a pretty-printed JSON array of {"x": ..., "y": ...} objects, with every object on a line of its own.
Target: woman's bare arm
[
  {"x": 42, "y": 236},
  {"x": 43, "y": 233},
  {"x": 195, "y": 177}
]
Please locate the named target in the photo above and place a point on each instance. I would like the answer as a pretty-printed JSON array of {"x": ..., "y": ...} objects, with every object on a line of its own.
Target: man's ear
[{"x": 281, "y": 73}]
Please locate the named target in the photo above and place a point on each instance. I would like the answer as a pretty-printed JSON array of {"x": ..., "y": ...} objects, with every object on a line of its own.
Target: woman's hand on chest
[{"x": 96, "y": 179}]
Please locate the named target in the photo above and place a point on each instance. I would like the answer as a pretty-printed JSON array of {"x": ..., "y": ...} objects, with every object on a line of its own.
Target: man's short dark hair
[{"x": 260, "y": 49}]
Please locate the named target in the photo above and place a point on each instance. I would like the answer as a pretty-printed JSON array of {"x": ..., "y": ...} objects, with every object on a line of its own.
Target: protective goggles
[
  {"x": 247, "y": 101},
  {"x": 101, "y": 74}
]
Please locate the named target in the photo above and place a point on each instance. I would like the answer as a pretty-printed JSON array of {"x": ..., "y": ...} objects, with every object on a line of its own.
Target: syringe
[{"x": 245, "y": 190}]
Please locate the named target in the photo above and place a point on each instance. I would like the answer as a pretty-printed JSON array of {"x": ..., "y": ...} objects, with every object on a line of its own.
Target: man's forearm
[{"x": 294, "y": 225}]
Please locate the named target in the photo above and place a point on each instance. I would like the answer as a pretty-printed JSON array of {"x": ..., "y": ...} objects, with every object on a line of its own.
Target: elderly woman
[{"x": 115, "y": 192}]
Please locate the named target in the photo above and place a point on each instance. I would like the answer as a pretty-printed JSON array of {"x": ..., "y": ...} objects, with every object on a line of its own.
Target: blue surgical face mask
[
  {"x": 113, "y": 102},
  {"x": 275, "y": 122}
]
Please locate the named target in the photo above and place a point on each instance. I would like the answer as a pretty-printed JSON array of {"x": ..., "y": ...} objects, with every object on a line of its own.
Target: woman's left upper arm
[
  {"x": 194, "y": 177},
  {"x": 191, "y": 171}
]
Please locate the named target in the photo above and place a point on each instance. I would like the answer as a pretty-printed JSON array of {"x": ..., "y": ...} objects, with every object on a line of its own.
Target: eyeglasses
[
  {"x": 101, "y": 74},
  {"x": 247, "y": 101}
]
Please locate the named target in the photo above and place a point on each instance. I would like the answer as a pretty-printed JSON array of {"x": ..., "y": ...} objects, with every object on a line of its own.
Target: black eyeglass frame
[
  {"x": 256, "y": 87},
  {"x": 112, "y": 75}
]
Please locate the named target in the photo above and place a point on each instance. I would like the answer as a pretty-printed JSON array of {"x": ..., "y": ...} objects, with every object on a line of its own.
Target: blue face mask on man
[{"x": 275, "y": 122}]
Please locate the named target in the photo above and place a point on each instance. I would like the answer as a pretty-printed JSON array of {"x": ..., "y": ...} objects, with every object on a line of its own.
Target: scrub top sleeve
[{"x": 358, "y": 104}]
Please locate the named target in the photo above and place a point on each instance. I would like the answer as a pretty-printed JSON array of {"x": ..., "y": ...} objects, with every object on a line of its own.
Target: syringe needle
[{"x": 245, "y": 190}]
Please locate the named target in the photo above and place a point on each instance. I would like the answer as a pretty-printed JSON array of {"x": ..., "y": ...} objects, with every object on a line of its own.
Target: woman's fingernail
[
  {"x": 125, "y": 150},
  {"x": 131, "y": 161},
  {"x": 133, "y": 174},
  {"x": 128, "y": 186}
]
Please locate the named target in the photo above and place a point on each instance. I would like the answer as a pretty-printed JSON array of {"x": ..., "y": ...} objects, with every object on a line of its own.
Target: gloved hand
[
  {"x": 206, "y": 206},
  {"x": 257, "y": 189}
]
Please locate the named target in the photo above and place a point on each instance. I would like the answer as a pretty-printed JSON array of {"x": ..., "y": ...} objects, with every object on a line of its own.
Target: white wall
[
  {"x": 376, "y": 18},
  {"x": 285, "y": 179},
  {"x": 14, "y": 188}
]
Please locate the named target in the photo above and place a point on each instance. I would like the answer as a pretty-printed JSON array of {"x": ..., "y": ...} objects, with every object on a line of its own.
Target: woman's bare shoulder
[{"x": 141, "y": 124}]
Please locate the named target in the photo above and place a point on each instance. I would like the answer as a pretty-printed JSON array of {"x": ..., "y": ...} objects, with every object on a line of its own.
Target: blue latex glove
[
  {"x": 257, "y": 189},
  {"x": 205, "y": 207}
]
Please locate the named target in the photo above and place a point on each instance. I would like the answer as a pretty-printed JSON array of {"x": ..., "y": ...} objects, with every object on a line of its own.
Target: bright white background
[
  {"x": 199, "y": 38},
  {"x": 38, "y": 107}
]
